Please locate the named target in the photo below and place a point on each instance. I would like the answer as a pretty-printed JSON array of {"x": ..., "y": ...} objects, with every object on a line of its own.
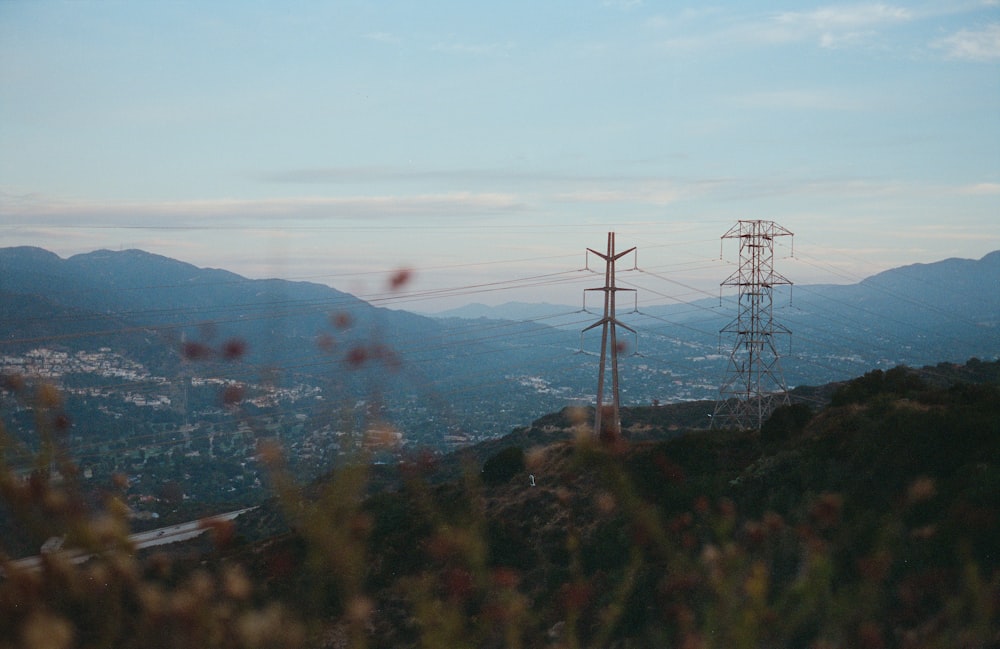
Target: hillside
[{"x": 870, "y": 521}]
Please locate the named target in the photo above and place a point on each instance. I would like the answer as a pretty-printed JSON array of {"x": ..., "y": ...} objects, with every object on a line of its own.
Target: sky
[{"x": 486, "y": 146}]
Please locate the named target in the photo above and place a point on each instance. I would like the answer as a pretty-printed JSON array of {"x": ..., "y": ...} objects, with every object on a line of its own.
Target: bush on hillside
[
  {"x": 900, "y": 382},
  {"x": 503, "y": 466},
  {"x": 785, "y": 423}
]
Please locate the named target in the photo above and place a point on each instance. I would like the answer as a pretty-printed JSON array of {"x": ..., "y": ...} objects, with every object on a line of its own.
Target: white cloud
[
  {"x": 829, "y": 27},
  {"x": 840, "y": 26},
  {"x": 845, "y": 17},
  {"x": 206, "y": 214},
  {"x": 981, "y": 189},
  {"x": 648, "y": 196},
  {"x": 972, "y": 44},
  {"x": 464, "y": 177}
]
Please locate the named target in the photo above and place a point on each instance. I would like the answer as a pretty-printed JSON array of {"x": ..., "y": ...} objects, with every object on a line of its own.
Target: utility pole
[
  {"x": 609, "y": 324},
  {"x": 753, "y": 385}
]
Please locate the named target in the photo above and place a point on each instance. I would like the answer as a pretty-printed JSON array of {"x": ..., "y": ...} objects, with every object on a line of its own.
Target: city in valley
[
  {"x": 174, "y": 439},
  {"x": 194, "y": 436}
]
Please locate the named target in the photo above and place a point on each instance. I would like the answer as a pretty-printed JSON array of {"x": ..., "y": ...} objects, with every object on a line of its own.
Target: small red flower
[
  {"x": 673, "y": 472},
  {"x": 326, "y": 342},
  {"x": 232, "y": 395},
  {"x": 357, "y": 356},
  {"x": 222, "y": 531},
  {"x": 870, "y": 636},
  {"x": 773, "y": 522},
  {"x": 458, "y": 583},
  {"x": 875, "y": 567},
  {"x": 233, "y": 349},
  {"x": 12, "y": 382},
  {"x": 342, "y": 320},
  {"x": 388, "y": 357},
  {"x": 680, "y": 523},
  {"x": 727, "y": 508},
  {"x": 576, "y": 595},
  {"x": 194, "y": 351},
  {"x": 826, "y": 510},
  {"x": 400, "y": 278},
  {"x": 507, "y": 578}
]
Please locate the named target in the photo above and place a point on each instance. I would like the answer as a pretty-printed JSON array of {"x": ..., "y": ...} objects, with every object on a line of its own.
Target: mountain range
[
  {"x": 476, "y": 371},
  {"x": 916, "y": 314}
]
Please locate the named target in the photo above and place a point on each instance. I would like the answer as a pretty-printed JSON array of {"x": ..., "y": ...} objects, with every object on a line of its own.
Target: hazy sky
[{"x": 487, "y": 143}]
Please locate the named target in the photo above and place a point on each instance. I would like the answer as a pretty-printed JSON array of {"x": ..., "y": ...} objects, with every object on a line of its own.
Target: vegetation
[
  {"x": 871, "y": 521},
  {"x": 503, "y": 466}
]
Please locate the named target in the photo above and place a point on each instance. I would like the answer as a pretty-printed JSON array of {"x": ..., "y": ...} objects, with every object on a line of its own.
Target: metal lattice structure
[
  {"x": 753, "y": 385},
  {"x": 611, "y": 426}
]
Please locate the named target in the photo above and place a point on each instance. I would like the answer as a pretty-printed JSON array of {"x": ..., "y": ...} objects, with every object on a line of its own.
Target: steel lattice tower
[
  {"x": 609, "y": 323},
  {"x": 753, "y": 385}
]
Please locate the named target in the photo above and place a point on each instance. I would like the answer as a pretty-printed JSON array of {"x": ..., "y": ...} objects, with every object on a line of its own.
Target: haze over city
[{"x": 487, "y": 146}]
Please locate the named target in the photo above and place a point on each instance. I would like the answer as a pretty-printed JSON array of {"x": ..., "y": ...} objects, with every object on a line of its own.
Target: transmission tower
[
  {"x": 609, "y": 324},
  {"x": 753, "y": 385}
]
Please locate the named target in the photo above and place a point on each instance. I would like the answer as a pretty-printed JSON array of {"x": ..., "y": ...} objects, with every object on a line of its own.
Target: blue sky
[{"x": 486, "y": 143}]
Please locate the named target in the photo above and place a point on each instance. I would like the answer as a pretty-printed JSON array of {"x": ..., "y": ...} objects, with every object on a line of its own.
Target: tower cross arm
[
  {"x": 608, "y": 289},
  {"x": 597, "y": 324},
  {"x": 779, "y": 279},
  {"x": 622, "y": 254},
  {"x": 607, "y": 257},
  {"x": 619, "y": 323}
]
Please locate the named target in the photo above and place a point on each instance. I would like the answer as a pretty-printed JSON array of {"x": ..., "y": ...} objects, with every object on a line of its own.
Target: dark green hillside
[
  {"x": 863, "y": 523},
  {"x": 870, "y": 521}
]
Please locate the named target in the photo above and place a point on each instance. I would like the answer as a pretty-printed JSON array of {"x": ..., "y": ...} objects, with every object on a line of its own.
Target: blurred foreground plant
[{"x": 582, "y": 556}]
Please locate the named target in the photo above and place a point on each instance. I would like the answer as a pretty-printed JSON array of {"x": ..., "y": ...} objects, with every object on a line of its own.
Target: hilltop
[{"x": 889, "y": 491}]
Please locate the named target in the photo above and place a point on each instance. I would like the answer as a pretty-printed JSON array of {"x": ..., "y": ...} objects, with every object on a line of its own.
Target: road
[
  {"x": 181, "y": 531},
  {"x": 141, "y": 540}
]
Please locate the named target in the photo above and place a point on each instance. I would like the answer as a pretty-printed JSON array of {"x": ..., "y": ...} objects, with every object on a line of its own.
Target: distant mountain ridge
[
  {"x": 495, "y": 368},
  {"x": 150, "y": 305},
  {"x": 963, "y": 286},
  {"x": 916, "y": 314},
  {"x": 142, "y": 289},
  {"x": 945, "y": 284}
]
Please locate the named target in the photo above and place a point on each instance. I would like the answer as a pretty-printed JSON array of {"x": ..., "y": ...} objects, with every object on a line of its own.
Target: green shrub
[
  {"x": 503, "y": 466},
  {"x": 785, "y": 423}
]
